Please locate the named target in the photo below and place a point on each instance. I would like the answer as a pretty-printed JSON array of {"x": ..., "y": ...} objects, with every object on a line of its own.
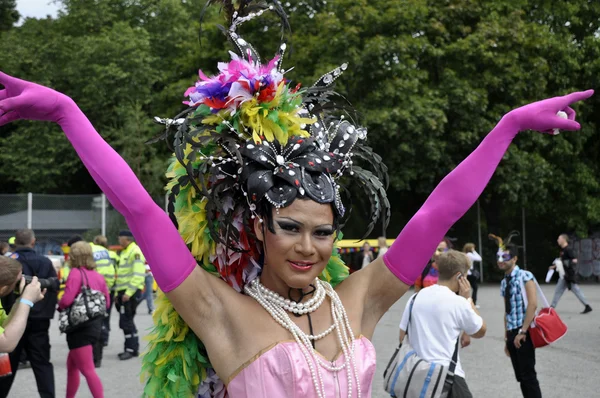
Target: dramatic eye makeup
[
  {"x": 288, "y": 225},
  {"x": 291, "y": 225},
  {"x": 324, "y": 231}
]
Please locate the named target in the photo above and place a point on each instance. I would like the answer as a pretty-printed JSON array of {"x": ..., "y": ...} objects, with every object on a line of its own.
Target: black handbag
[{"x": 89, "y": 304}]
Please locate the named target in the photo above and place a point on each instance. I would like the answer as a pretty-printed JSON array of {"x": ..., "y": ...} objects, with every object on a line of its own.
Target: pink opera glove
[
  {"x": 459, "y": 190},
  {"x": 152, "y": 228}
]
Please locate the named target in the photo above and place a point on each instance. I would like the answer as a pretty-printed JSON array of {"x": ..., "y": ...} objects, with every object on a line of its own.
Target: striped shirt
[{"x": 515, "y": 319}]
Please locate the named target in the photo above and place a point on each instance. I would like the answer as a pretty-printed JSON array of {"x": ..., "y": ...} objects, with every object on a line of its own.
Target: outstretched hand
[
  {"x": 542, "y": 115},
  {"x": 21, "y": 99}
]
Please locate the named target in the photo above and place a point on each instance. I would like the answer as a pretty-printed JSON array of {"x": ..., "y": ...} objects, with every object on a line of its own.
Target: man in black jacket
[
  {"x": 569, "y": 280},
  {"x": 36, "y": 339}
]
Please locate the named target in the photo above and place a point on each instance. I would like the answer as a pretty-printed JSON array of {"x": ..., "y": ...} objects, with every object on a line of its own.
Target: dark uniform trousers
[
  {"x": 126, "y": 319},
  {"x": 103, "y": 340},
  {"x": 106, "y": 321},
  {"x": 36, "y": 343}
]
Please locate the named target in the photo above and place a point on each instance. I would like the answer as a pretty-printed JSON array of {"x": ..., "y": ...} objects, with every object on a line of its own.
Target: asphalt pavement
[{"x": 569, "y": 368}]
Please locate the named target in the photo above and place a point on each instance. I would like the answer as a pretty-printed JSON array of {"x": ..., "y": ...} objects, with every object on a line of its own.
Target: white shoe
[{"x": 478, "y": 306}]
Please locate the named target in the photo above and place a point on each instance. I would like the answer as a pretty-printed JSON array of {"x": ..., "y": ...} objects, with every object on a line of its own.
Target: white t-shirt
[{"x": 438, "y": 318}]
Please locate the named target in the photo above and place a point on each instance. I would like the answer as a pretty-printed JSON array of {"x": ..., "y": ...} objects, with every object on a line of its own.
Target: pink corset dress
[{"x": 281, "y": 371}]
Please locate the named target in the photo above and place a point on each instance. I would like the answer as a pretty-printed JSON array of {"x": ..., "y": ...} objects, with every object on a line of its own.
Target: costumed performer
[{"x": 255, "y": 193}]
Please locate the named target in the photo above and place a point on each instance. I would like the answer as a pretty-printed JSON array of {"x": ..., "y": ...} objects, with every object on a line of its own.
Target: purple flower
[{"x": 213, "y": 90}]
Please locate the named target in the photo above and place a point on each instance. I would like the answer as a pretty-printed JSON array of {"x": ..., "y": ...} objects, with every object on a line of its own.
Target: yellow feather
[
  {"x": 213, "y": 119},
  {"x": 274, "y": 131}
]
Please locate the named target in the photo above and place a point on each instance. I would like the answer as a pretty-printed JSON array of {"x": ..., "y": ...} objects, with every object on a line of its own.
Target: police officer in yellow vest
[
  {"x": 130, "y": 282},
  {"x": 114, "y": 261},
  {"x": 106, "y": 268}
]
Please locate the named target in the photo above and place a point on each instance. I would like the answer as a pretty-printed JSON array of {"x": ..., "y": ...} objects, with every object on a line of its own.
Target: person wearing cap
[{"x": 131, "y": 276}]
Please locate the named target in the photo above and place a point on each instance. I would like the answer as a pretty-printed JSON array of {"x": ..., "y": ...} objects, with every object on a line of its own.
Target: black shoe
[
  {"x": 127, "y": 355},
  {"x": 105, "y": 344},
  {"x": 587, "y": 309},
  {"x": 97, "y": 364}
]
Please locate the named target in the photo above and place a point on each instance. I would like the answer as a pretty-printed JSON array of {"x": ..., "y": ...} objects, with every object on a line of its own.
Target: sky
[{"x": 36, "y": 8}]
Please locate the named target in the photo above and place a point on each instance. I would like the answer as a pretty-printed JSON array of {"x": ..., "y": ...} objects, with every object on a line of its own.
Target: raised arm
[
  {"x": 151, "y": 227},
  {"x": 454, "y": 195},
  {"x": 475, "y": 256}
]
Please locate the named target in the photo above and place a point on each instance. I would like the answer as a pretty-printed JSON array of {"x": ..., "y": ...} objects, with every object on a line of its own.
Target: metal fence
[
  {"x": 588, "y": 256},
  {"x": 55, "y": 218}
]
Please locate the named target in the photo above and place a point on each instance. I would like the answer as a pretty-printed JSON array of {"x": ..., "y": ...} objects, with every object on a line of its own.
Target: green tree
[
  {"x": 8, "y": 14},
  {"x": 430, "y": 79}
]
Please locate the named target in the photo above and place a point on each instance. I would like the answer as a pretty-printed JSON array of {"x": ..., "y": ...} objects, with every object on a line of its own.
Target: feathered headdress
[
  {"x": 502, "y": 254},
  {"x": 250, "y": 140}
]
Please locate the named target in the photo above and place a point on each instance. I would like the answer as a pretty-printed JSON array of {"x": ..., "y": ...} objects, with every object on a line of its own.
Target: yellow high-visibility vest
[
  {"x": 131, "y": 273},
  {"x": 104, "y": 264}
]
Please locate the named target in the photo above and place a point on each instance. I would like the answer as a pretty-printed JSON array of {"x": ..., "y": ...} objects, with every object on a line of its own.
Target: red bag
[
  {"x": 547, "y": 327},
  {"x": 5, "y": 368}
]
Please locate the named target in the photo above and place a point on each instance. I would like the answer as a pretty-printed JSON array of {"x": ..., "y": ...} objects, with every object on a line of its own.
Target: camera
[{"x": 48, "y": 283}]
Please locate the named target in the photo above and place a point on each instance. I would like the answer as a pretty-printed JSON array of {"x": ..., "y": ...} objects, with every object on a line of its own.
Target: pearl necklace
[
  {"x": 292, "y": 306},
  {"x": 278, "y": 307}
]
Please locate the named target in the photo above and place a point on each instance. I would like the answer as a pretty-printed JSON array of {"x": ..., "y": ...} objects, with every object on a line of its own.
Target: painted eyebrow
[{"x": 284, "y": 219}]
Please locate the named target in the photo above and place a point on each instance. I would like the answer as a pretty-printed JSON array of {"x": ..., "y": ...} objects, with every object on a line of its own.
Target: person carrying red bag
[{"x": 518, "y": 318}]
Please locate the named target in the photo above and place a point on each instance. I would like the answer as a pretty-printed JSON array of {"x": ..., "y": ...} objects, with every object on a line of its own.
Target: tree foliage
[
  {"x": 429, "y": 78},
  {"x": 8, "y": 14}
]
